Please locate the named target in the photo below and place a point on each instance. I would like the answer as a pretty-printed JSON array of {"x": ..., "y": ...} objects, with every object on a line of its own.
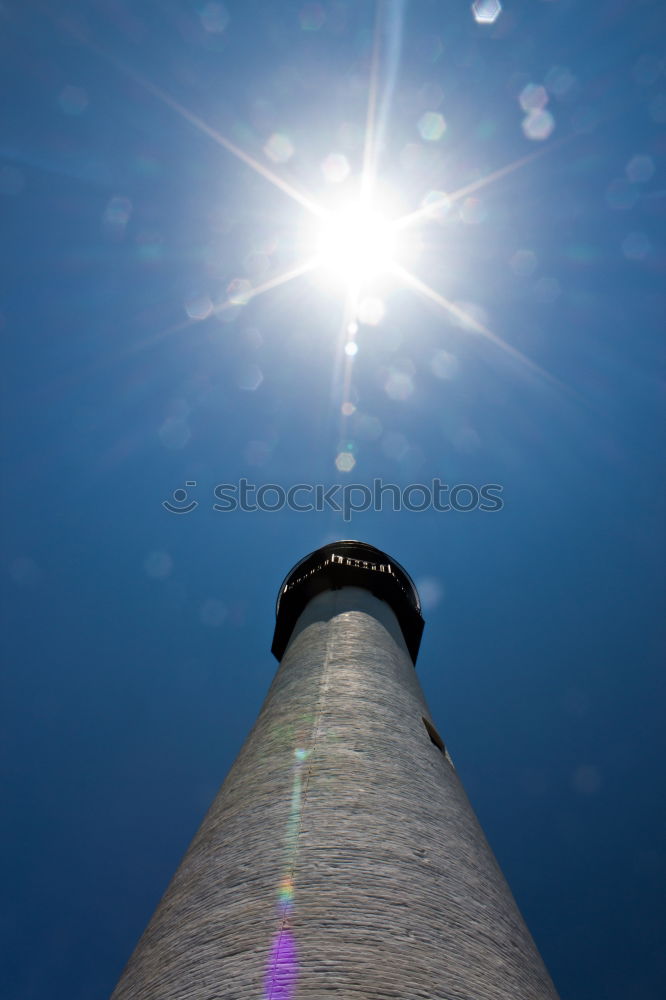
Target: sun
[{"x": 355, "y": 245}]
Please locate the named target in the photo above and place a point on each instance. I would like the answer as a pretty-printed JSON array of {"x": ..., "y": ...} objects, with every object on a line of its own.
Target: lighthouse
[{"x": 341, "y": 857}]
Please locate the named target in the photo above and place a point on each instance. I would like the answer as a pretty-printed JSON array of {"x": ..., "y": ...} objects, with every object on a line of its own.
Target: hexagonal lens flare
[{"x": 486, "y": 11}]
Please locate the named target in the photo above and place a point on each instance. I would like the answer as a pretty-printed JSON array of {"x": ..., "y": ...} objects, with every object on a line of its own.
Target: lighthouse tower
[{"x": 341, "y": 857}]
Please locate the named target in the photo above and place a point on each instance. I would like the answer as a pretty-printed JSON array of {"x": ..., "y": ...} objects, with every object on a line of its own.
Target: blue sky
[{"x": 140, "y": 354}]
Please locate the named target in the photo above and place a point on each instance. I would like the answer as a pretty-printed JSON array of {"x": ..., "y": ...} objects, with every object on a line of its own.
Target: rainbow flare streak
[{"x": 282, "y": 968}]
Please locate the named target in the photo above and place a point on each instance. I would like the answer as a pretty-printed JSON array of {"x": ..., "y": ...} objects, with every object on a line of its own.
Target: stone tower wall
[{"x": 341, "y": 856}]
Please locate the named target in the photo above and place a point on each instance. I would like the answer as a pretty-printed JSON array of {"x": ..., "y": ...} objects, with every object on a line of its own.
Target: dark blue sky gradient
[{"x": 137, "y": 642}]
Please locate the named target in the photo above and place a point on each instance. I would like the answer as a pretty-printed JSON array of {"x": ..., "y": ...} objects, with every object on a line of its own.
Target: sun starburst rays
[
  {"x": 370, "y": 145},
  {"x": 467, "y": 320},
  {"x": 430, "y": 210},
  {"x": 280, "y": 279},
  {"x": 354, "y": 240},
  {"x": 273, "y": 178}
]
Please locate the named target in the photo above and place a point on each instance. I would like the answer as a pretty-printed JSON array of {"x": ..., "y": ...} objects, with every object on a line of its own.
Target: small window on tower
[{"x": 434, "y": 735}]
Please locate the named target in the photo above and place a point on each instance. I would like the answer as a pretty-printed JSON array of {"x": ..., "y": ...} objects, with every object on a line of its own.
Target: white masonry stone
[{"x": 396, "y": 893}]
